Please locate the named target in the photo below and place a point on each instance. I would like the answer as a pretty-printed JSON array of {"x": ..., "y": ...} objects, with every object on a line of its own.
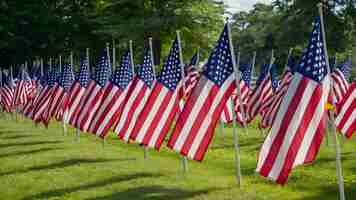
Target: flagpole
[
  {"x": 184, "y": 158},
  {"x": 113, "y": 54},
  {"x": 289, "y": 55},
  {"x": 253, "y": 64},
  {"x": 145, "y": 148},
  {"x": 234, "y": 121},
  {"x": 337, "y": 147},
  {"x": 110, "y": 66}
]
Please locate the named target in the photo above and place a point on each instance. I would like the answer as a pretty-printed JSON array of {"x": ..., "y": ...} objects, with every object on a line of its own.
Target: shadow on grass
[
  {"x": 332, "y": 192},
  {"x": 153, "y": 193},
  {"x": 9, "y": 132},
  {"x": 14, "y": 137},
  {"x": 29, "y": 143},
  {"x": 62, "y": 164},
  {"x": 116, "y": 179},
  {"x": 21, "y": 153}
]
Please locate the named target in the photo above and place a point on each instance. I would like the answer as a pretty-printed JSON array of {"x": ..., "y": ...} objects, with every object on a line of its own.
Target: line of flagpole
[
  {"x": 234, "y": 121},
  {"x": 337, "y": 147},
  {"x": 184, "y": 158}
]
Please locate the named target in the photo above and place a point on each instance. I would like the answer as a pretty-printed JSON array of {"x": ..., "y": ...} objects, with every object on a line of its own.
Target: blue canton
[
  {"x": 171, "y": 73},
  {"x": 313, "y": 63},
  {"x": 145, "y": 72},
  {"x": 246, "y": 72},
  {"x": 123, "y": 74},
  {"x": 274, "y": 79},
  {"x": 219, "y": 66},
  {"x": 66, "y": 77},
  {"x": 84, "y": 72},
  {"x": 194, "y": 59},
  {"x": 345, "y": 68},
  {"x": 52, "y": 77},
  {"x": 103, "y": 70},
  {"x": 263, "y": 73}
]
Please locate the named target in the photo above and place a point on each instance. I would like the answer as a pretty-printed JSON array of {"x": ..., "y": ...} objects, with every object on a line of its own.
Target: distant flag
[
  {"x": 192, "y": 75},
  {"x": 195, "y": 125},
  {"x": 269, "y": 114},
  {"x": 339, "y": 77},
  {"x": 76, "y": 93},
  {"x": 94, "y": 93},
  {"x": 59, "y": 92},
  {"x": 114, "y": 95},
  {"x": 43, "y": 99},
  {"x": 20, "y": 93},
  {"x": 136, "y": 98},
  {"x": 7, "y": 92},
  {"x": 245, "y": 81},
  {"x": 300, "y": 124},
  {"x": 260, "y": 93},
  {"x": 162, "y": 105},
  {"x": 346, "y": 118}
]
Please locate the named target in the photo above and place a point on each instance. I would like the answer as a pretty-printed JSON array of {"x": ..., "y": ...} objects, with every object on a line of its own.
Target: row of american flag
[{"x": 183, "y": 104}]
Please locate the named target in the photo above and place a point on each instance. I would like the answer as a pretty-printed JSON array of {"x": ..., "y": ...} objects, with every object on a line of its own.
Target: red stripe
[
  {"x": 277, "y": 143},
  {"x": 199, "y": 155},
  {"x": 202, "y": 114},
  {"x": 297, "y": 140},
  {"x": 145, "y": 112}
]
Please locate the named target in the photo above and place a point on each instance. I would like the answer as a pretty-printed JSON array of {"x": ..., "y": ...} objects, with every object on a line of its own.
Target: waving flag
[
  {"x": 346, "y": 118},
  {"x": 196, "y": 123},
  {"x": 114, "y": 95},
  {"x": 162, "y": 104},
  {"x": 260, "y": 94},
  {"x": 7, "y": 93},
  {"x": 35, "y": 79},
  {"x": 226, "y": 116},
  {"x": 192, "y": 76},
  {"x": 339, "y": 76},
  {"x": 43, "y": 99},
  {"x": 76, "y": 94},
  {"x": 21, "y": 89},
  {"x": 94, "y": 93},
  {"x": 59, "y": 92},
  {"x": 297, "y": 132},
  {"x": 269, "y": 114},
  {"x": 135, "y": 100}
]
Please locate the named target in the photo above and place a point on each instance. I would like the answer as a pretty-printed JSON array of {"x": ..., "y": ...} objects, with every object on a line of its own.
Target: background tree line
[{"x": 47, "y": 28}]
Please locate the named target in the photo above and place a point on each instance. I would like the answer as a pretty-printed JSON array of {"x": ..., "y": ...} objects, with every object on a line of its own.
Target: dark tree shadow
[
  {"x": 21, "y": 153},
  {"x": 62, "y": 164},
  {"x": 153, "y": 193},
  {"x": 29, "y": 143},
  {"x": 101, "y": 183},
  {"x": 332, "y": 192}
]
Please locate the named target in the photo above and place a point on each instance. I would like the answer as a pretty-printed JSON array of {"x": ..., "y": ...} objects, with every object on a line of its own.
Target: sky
[{"x": 242, "y": 5}]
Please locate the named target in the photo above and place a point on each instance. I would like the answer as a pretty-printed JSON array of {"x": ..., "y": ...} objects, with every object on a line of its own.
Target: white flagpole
[
  {"x": 184, "y": 158},
  {"x": 110, "y": 66},
  {"x": 113, "y": 54},
  {"x": 234, "y": 122},
  {"x": 253, "y": 64},
  {"x": 337, "y": 147},
  {"x": 145, "y": 148},
  {"x": 289, "y": 55}
]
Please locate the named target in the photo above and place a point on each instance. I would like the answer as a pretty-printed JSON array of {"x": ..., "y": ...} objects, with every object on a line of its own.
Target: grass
[{"x": 39, "y": 163}]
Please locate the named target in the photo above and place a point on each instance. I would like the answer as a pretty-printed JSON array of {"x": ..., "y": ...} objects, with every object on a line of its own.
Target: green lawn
[{"x": 39, "y": 163}]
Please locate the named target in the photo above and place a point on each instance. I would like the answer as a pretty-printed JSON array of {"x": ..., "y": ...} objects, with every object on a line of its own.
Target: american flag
[
  {"x": 227, "y": 113},
  {"x": 135, "y": 100},
  {"x": 94, "y": 93},
  {"x": 346, "y": 118},
  {"x": 73, "y": 104},
  {"x": 269, "y": 113},
  {"x": 339, "y": 77},
  {"x": 7, "y": 92},
  {"x": 192, "y": 76},
  {"x": 260, "y": 93},
  {"x": 196, "y": 123},
  {"x": 300, "y": 124},
  {"x": 114, "y": 95},
  {"x": 160, "y": 110},
  {"x": 21, "y": 89},
  {"x": 59, "y": 92},
  {"x": 42, "y": 100},
  {"x": 35, "y": 79}
]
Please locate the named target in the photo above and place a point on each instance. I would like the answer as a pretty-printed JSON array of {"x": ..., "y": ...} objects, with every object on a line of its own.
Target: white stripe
[
  {"x": 267, "y": 144},
  {"x": 151, "y": 114},
  {"x": 209, "y": 117},
  {"x": 84, "y": 108},
  {"x": 346, "y": 105},
  {"x": 313, "y": 124},
  {"x": 163, "y": 119},
  {"x": 92, "y": 110},
  {"x": 207, "y": 85},
  {"x": 113, "y": 109}
]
